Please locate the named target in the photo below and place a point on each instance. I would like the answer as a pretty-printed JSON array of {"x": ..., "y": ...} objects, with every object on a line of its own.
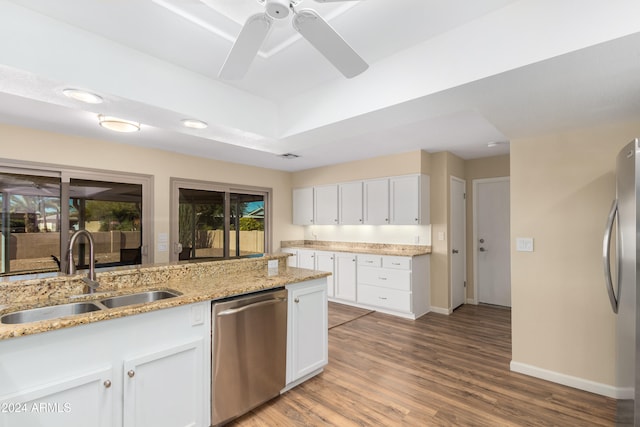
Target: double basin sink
[{"x": 55, "y": 311}]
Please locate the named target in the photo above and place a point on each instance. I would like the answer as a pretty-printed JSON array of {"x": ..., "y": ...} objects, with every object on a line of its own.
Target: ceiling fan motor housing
[{"x": 278, "y": 9}]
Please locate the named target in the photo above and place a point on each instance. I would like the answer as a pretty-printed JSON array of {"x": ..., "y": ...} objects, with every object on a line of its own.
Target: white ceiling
[{"x": 444, "y": 75}]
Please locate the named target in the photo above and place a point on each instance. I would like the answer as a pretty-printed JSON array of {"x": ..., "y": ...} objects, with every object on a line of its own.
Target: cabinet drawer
[
  {"x": 370, "y": 260},
  {"x": 398, "y": 262},
  {"x": 385, "y": 277},
  {"x": 385, "y": 298}
]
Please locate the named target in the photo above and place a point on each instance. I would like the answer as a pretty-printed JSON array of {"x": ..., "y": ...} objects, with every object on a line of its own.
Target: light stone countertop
[
  {"x": 197, "y": 282},
  {"x": 357, "y": 247}
]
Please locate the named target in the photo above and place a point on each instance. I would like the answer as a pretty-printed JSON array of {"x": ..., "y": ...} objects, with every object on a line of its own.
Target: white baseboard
[
  {"x": 441, "y": 310},
  {"x": 571, "y": 381}
]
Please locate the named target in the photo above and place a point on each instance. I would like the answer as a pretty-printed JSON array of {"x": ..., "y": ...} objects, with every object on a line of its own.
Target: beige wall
[
  {"x": 486, "y": 167},
  {"x": 562, "y": 186},
  {"x": 396, "y": 164},
  {"x": 45, "y": 147}
]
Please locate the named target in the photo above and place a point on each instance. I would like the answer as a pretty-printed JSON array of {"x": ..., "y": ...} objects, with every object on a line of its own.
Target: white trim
[
  {"x": 475, "y": 183},
  {"x": 440, "y": 310},
  {"x": 463, "y": 249},
  {"x": 571, "y": 381}
]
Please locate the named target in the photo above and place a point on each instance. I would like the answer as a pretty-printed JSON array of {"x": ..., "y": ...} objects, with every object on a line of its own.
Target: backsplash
[{"x": 390, "y": 234}]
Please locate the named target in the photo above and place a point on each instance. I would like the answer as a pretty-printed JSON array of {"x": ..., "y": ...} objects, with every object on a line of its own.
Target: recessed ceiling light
[
  {"x": 194, "y": 124},
  {"x": 83, "y": 96},
  {"x": 289, "y": 156},
  {"x": 118, "y": 125}
]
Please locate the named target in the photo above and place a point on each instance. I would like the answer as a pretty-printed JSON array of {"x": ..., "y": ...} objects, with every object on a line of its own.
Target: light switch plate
[
  {"x": 272, "y": 263},
  {"x": 524, "y": 244}
]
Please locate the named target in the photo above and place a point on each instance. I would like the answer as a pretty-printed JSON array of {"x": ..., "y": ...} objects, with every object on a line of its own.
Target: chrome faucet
[{"x": 90, "y": 281}]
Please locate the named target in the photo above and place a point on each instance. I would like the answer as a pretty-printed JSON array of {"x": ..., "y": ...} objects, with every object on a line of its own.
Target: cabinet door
[
  {"x": 292, "y": 261},
  {"x": 77, "y": 401},
  {"x": 405, "y": 200},
  {"x": 306, "y": 259},
  {"x": 376, "y": 201},
  {"x": 350, "y": 203},
  {"x": 303, "y": 206},
  {"x": 325, "y": 262},
  {"x": 165, "y": 388},
  {"x": 326, "y": 205},
  {"x": 309, "y": 330},
  {"x": 345, "y": 282}
]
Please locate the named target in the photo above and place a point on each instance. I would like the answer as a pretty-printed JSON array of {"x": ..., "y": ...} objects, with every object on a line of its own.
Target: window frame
[
  {"x": 66, "y": 173},
  {"x": 192, "y": 184}
]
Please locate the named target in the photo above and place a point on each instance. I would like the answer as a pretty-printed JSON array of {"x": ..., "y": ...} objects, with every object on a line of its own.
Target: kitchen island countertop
[{"x": 196, "y": 282}]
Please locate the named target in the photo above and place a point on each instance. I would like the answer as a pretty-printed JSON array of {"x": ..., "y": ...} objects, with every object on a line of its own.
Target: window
[
  {"x": 42, "y": 208},
  {"x": 217, "y": 221}
]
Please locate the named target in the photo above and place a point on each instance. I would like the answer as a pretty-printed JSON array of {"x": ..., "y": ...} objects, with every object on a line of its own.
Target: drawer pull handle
[
  {"x": 395, "y": 263},
  {"x": 382, "y": 278},
  {"x": 382, "y": 298}
]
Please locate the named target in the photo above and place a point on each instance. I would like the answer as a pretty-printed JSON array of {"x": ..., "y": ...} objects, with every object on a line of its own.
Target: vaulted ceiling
[{"x": 448, "y": 75}]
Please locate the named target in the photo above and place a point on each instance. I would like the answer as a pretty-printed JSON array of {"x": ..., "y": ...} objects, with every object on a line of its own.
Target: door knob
[
  {"x": 107, "y": 383},
  {"x": 481, "y": 240},
  {"x": 482, "y": 249},
  {"x": 131, "y": 373},
  {"x": 455, "y": 251}
]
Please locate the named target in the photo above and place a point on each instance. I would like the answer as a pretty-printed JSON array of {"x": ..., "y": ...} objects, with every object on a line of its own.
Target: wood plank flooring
[{"x": 436, "y": 371}]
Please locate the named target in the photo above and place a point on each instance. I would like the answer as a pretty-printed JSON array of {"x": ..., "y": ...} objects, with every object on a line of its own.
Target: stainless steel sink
[
  {"x": 47, "y": 313},
  {"x": 138, "y": 298}
]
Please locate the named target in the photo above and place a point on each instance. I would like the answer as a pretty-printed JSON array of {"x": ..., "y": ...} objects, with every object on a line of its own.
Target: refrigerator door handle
[{"x": 606, "y": 256}]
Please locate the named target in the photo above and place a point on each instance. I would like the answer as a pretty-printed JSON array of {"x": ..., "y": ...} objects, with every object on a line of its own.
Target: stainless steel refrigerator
[{"x": 621, "y": 276}]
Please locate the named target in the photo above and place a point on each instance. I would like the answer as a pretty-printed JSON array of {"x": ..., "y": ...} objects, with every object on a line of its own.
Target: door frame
[
  {"x": 475, "y": 183},
  {"x": 463, "y": 249}
]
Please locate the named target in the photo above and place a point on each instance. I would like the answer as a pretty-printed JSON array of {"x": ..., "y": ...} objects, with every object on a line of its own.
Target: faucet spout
[{"x": 91, "y": 281}]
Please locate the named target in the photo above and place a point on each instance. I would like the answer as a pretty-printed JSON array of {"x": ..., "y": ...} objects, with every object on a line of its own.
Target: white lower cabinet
[
  {"x": 325, "y": 261},
  {"x": 146, "y": 369},
  {"x": 393, "y": 284},
  {"x": 345, "y": 281},
  {"x": 307, "y": 331},
  {"x": 162, "y": 388}
]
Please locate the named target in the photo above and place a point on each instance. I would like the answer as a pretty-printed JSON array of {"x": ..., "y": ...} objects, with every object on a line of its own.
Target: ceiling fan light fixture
[
  {"x": 194, "y": 124},
  {"x": 118, "y": 125},
  {"x": 494, "y": 144},
  {"x": 278, "y": 9},
  {"x": 82, "y": 96}
]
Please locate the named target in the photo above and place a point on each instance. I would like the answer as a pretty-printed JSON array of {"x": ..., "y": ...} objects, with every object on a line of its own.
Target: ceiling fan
[{"x": 307, "y": 22}]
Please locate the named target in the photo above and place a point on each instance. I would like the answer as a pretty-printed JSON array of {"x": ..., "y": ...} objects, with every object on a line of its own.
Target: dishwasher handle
[{"x": 250, "y": 306}]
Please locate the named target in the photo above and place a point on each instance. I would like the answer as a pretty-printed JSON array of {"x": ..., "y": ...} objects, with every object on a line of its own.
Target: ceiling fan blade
[
  {"x": 246, "y": 47},
  {"x": 329, "y": 43}
]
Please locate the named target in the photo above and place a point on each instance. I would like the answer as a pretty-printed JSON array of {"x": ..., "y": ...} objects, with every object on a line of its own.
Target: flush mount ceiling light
[
  {"x": 83, "y": 96},
  {"x": 494, "y": 144},
  {"x": 118, "y": 125},
  {"x": 194, "y": 124}
]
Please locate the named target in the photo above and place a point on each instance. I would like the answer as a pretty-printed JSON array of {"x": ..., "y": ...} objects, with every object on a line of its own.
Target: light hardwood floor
[{"x": 436, "y": 371}]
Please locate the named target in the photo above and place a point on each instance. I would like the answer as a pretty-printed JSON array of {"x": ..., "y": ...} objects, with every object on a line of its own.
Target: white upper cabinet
[
  {"x": 326, "y": 204},
  {"x": 376, "y": 201},
  {"x": 351, "y": 203},
  {"x": 398, "y": 200},
  {"x": 303, "y": 206},
  {"x": 409, "y": 199}
]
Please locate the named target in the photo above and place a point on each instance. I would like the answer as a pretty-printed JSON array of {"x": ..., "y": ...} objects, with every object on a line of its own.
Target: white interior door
[
  {"x": 492, "y": 251},
  {"x": 458, "y": 242}
]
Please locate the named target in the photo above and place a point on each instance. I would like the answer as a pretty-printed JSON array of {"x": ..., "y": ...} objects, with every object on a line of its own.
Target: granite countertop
[
  {"x": 196, "y": 282},
  {"x": 361, "y": 248}
]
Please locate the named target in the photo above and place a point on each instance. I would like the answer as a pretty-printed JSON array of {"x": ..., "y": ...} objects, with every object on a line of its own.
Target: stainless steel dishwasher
[{"x": 249, "y": 353}]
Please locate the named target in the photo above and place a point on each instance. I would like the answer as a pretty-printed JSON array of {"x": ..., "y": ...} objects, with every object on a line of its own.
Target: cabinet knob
[
  {"x": 296, "y": 300},
  {"x": 107, "y": 383},
  {"x": 131, "y": 373}
]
